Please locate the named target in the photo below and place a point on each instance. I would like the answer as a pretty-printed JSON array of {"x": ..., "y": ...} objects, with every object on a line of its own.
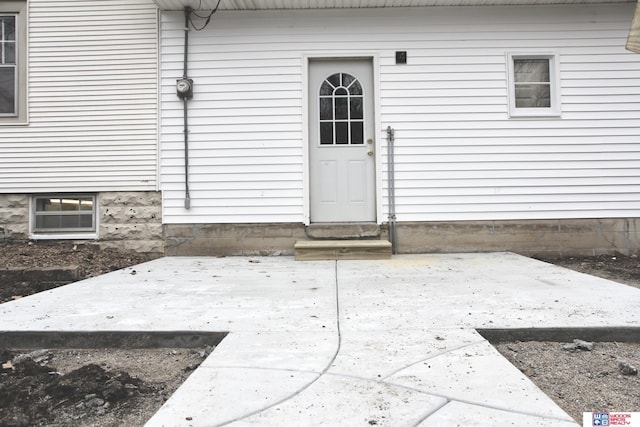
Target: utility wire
[{"x": 207, "y": 18}]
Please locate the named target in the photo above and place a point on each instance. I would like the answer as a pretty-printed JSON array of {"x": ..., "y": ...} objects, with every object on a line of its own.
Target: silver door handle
[{"x": 370, "y": 153}]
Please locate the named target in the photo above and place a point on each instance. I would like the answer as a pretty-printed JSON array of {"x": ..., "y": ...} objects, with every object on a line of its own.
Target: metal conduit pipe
[
  {"x": 184, "y": 88},
  {"x": 391, "y": 186},
  {"x": 187, "y": 197}
]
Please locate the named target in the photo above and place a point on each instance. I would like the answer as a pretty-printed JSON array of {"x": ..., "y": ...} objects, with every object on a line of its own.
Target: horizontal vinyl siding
[
  {"x": 458, "y": 159},
  {"x": 92, "y": 100},
  {"x": 458, "y": 154}
]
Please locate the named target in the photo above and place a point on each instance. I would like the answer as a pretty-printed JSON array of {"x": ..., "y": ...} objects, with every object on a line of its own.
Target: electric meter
[{"x": 184, "y": 88}]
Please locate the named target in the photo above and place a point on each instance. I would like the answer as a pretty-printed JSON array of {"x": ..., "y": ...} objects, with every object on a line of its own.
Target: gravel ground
[{"x": 580, "y": 380}]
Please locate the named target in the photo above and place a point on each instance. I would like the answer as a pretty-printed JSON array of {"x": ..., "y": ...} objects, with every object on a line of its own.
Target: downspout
[
  {"x": 187, "y": 197},
  {"x": 391, "y": 187}
]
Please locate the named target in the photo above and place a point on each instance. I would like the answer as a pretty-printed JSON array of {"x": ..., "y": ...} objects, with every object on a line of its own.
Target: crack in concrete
[{"x": 321, "y": 374}]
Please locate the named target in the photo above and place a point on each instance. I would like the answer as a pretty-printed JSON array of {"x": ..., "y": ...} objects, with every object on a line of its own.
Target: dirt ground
[
  {"x": 89, "y": 259},
  {"x": 125, "y": 387},
  {"x": 618, "y": 267},
  {"x": 97, "y": 387}
]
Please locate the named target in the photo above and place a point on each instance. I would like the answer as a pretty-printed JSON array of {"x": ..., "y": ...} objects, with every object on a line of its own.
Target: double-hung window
[
  {"x": 8, "y": 65},
  {"x": 12, "y": 62},
  {"x": 533, "y": 85}
]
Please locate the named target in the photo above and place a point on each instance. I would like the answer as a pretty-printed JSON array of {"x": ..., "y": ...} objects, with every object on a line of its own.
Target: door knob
[{"x": 370, "y": 153}]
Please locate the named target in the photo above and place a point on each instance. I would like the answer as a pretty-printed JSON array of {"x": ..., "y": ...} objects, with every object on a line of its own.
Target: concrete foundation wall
[
  {"x": 232, "y": 239},
  {"x": 126, "y": 220},
  {"x": 543, "y": 238},
  {"x": 572, "y": 237}
]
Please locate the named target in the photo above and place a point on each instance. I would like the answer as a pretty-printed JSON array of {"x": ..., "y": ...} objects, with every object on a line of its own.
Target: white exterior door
[{"x": 341, "y": 144}]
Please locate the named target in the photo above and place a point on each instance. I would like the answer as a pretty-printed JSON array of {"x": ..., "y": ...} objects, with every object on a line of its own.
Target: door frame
[{"x": 306, "y": 174}]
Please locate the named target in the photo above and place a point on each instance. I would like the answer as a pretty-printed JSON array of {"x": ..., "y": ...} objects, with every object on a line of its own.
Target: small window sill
[
  {"x": 529, "y": 114},
  {"x": 4, "y": 121},
  {"x": 63, "y": 236}
]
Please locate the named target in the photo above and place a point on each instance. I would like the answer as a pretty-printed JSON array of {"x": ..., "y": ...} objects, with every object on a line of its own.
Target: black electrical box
[{"x": 401, "y": 57}]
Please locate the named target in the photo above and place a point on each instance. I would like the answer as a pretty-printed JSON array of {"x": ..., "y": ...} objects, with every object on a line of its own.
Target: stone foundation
[
  {"x": 131, "y": 221},
  {"x": 534, "y": 238},
  {"x": 14, "y": 217},
  {"x": 126, "y": 220}
]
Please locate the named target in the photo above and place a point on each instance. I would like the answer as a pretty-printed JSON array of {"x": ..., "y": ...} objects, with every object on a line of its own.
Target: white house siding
[
  {"x": 458, "y": 154},
  {"x": 92, "y": 100}
]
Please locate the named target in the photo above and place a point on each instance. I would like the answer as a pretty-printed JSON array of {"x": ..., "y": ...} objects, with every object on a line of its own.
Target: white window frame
[
  {"x": 19, "y": 9},
  {"x": 68, "y": 233},
  {"x": 555, "y": 110}
]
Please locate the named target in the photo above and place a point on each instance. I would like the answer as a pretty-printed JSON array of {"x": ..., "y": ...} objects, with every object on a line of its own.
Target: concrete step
[{"x": 314, "y": 250}]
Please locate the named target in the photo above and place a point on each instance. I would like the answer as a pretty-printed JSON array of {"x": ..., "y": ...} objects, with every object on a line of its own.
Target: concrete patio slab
[
  {"x": 498, "y": 290},
  {"x": 346, "y": 401},
  {"x": 395, "y": 350},
  {"x": 307, "y": 351},
  {"x": 388, "y": 342},
  {"x": 217, "y": 396},
  {"x": 468, "y": 374},
  {"x": 200, "y": 293},
  {"x": 464, "y": 414}
]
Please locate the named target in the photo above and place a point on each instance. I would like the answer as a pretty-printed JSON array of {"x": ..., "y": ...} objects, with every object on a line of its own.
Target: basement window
[
  {"x": 63, "y": 214},
  {"x": 533, "y": 85}
]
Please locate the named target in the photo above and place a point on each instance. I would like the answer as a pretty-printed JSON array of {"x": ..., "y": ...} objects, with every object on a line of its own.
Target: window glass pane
[
  {"x": 9, "y": 53},
  {"x": 347, "y": 79},
  {"x": 355, "y": 88},
  {"x": 86, "y": 221},
  {"x": 342, "y": 132},
  {"x": 326, "y": 108},
  {"x": 341, "y": 91},
  {"x": 9, "y": 26},
  {"x": 326, "y": 133},
  {"x": 70, "y": 204},
  {"x": 70, "y": 221},
  {"x": 48, "y": 221},
  {"x": 7, "y": 90},
  {"x": 533, "y": 96},
  {"x": 326, "y": 89},
  {"x": 86, "y": 204},
  {"x": 334, "y": 80},
  {"x": 356, "y": 133},
  {"x": 56, "y": 204},
  {"x": 342, "y": 108},
  {"x": 356, "y": 108},
  {"x": 58, "y": 222},
  {"x": 531, "y": 70},
  {"x": 75, "y": 221},
  {"x": 47, "y": 205}
]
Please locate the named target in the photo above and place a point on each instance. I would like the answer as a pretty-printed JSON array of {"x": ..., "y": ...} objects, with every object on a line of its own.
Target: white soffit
[{"x": 351, "y": 4}]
